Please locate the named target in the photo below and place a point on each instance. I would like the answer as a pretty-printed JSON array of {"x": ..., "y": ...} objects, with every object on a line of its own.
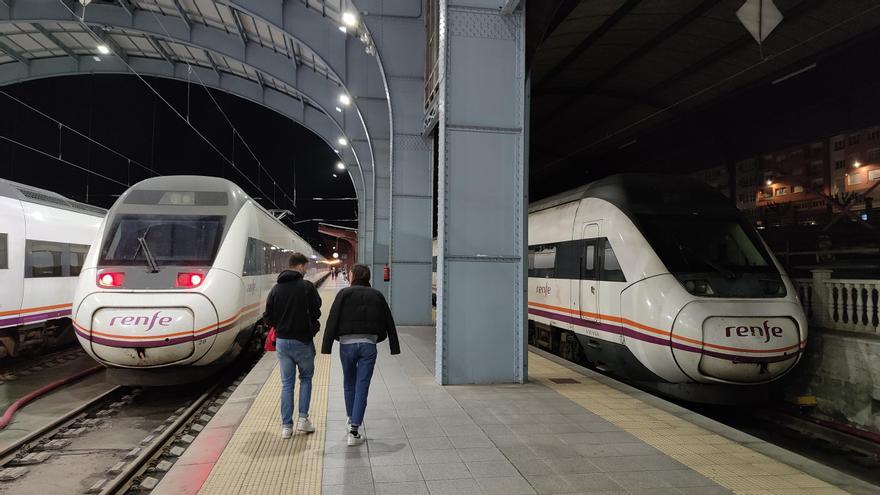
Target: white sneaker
[
  {"x": 286, "y": 432},
  {"x": 355, "y": 438},
  {"x": 304, "y": 425},
  {"x": 348, "y": 424}
]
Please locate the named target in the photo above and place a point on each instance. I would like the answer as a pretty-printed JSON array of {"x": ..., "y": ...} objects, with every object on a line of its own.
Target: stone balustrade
[{"x": 840, "y": 304}]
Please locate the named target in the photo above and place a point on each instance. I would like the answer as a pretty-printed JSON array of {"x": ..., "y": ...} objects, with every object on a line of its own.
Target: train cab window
[
  {"x": 542, "y": 260},
  {"x": 4, "y": 251},
  {"x": 171, "y": 239},
  {"x": 611, "y": 270},
  {"x": 77, "y": 258},
  {"x": 576, "y": 259},
  {"x": 44, "y": 259}
]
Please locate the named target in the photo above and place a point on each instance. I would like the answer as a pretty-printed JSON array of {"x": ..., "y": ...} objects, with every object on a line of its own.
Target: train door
[
  {"x": 589, "y": 286},
  {"x": 11, "y": 260}
]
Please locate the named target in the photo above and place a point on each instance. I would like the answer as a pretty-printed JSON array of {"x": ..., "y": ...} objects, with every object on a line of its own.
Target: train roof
[
  {"x": 30, "y": 194},
  {"x": 650, "y": 192}
]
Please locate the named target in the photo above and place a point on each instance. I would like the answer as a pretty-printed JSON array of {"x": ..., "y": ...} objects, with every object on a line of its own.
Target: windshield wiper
[
  {"x": 154, "y": 267},
  {"x": 715, "y": 266}
]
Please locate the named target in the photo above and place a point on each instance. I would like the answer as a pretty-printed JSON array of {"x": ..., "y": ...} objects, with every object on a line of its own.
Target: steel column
[{"x": 482, "y": 194}]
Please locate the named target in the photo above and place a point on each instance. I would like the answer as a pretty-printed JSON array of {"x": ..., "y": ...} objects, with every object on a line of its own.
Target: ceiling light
[
  {"x": 769, "y": 182},
  {"x": 340, "y": 165},
  {"x": 338, "y": 109},
  {"x": 857, "y": 164},
  {"x": 349, "y": 19},
  {"x": 345, "y": 99},
  {"x": 342, "y": 141},
  {"x": 103, "y": 49},
  {"x": 335, "y": 176},
  {"x": 343, "y": 29},
  {"x": 96, "y": 58}
]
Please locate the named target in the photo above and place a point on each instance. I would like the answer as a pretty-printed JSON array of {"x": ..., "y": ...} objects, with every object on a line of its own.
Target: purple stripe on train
[
  {"x": 33, "y": 318},
  {"x": 628, "y": 332}
]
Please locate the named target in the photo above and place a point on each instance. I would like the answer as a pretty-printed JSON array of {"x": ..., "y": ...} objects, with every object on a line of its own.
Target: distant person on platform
[
  {"x": 293, "y": 308},
  {"x": 359, "y": 318}
]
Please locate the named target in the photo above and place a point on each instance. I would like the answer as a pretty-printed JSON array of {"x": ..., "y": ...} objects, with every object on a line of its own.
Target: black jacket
[
  {"x": 360, "y": 309},
  {"x": 293, "y": 307}
]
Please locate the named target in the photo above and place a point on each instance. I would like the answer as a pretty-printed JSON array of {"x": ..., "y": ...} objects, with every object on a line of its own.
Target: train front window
[
  {"x": 170, "y": 239},
  {"x": 694, "y": 244}
]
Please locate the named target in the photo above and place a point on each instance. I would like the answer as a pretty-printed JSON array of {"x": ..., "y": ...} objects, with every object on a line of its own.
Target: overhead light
[
  {"x": 336, "y": 255},
  {"x": 103, "y": 49},
  {"x": 342, "y": 141},
  {"x": 349, "y": 19},
  {"x": 345, "y": 99},
  {"x": 340, "y": 165},
  {"x": 769, "y": 182},
  {"x": 343, "y": 29},
  {"x": 96, "y": 58},
  {"x": 338, "y": 109},
  {"x": 335, "y": 176},
  {"x": 857, "y": 164},
  {"x": 336, "y": 151}
]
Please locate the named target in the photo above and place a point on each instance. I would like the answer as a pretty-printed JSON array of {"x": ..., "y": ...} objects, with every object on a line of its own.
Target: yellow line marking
[{"x": 723, "y": 461}]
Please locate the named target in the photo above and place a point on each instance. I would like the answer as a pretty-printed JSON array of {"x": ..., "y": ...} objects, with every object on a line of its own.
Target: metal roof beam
[
  {"x": 4, "y": 48},
  {"x": 509, "y": 6},
  {"x": 182, "y": 13},
  {"x": 212, "y": 62},
  {"x": 127, "y": 6},
  {"x": 158, "y": 46},
  {"x": 54, "y": 39},
  {"x": 239, "y": 27},
  {"x": 592, "y": 38}
]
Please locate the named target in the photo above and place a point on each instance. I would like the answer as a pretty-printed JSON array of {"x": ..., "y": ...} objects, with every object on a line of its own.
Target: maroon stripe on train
[{"x": 33, "y": 318}]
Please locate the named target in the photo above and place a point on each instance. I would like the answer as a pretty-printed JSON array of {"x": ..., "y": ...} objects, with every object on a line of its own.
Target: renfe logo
[
  {"x": 766, "y": 331},
  {"x": 150, "y": 321},
  {"x": 544, "y": 290}
]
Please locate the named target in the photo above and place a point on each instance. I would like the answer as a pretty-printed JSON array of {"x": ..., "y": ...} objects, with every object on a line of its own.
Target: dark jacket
[
  {"x": 293, "y": 307},
  {"x": 360, "y": 309}
]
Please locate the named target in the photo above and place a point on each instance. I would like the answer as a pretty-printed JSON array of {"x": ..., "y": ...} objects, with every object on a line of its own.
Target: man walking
[{"x": 293, "y": 308}]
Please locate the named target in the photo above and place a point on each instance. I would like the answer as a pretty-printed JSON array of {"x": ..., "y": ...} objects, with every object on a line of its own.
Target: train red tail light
[
  {"x": 111, "y": 279},
  {"x": 188, "y": 280}
]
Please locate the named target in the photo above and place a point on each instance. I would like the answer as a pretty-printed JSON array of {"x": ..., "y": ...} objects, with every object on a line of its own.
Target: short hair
[
  {"x": 360, "y": 273},
  {"x": 297, "y": 259}
]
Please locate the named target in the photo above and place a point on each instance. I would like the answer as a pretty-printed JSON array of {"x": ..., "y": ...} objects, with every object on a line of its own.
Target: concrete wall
[{"x": 842, "y": 369}]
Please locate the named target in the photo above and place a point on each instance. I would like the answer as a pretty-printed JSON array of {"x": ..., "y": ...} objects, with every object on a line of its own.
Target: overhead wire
[
  {"x": 62, "y": 160},
  {"x": 711, "y": 87},
  {"x": 112, "y": 48},
  {"x": 78, "y": 133}
]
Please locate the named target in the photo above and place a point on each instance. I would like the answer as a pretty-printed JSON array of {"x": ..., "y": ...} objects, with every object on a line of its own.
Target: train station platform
[{"x": 569, "y": 430}]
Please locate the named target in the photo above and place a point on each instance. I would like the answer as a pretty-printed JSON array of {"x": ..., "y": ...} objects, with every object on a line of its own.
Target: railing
[{"x": 840, "y": 304}]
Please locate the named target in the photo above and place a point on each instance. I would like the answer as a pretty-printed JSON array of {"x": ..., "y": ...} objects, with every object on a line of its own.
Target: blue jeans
[
  {"x": 294, "y": 354},
  {"x": 358, "y": 361}
]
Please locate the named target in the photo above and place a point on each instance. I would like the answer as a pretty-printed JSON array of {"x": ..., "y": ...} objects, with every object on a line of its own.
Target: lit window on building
[
  {"x": 781, "y": 191},
  {"x": 854, "y": 179},
  {"x": 874, "y": 174},
  {"x": 797, "y": 189}
]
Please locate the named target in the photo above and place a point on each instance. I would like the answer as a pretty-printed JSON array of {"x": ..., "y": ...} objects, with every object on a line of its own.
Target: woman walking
[{"x": 359, "y": 318}]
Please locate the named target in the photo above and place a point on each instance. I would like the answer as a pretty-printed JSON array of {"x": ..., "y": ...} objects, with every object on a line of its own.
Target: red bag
[{"x": 270, "y": 340}]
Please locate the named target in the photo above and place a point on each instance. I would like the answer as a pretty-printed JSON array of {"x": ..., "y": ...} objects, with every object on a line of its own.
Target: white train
[
  {"x": 663, "y": 282},
  {"x": 176, "y": 284},
  {"x": 44, "y": 238}
]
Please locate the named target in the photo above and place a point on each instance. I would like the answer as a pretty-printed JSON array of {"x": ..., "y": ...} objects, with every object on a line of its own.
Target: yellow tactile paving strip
[
  {"x": 723, "y": 461},
  {"x": 257, "y": 460}
]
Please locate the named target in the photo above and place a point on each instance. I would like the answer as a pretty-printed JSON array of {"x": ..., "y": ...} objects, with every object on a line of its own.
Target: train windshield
[
  {"x": 170, "y": 239},
  {"x": 696, "y": 244}
]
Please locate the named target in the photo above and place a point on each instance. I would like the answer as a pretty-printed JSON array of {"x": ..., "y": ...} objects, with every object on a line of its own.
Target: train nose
[
  {"x": 746, "y": 345},
  {"x": 179, "y": 329}
]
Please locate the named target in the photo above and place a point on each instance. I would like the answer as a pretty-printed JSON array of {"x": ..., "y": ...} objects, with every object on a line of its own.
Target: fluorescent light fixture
[
  {"x": 349, "y": 19},
  {"x": 340, "y": 165},
  {"x": 345, "y": 99},
  {"x": 338, "y": 109},
  {"x": 103, "y": 49},
  {"x": 343, "y": 29},
  {"x": 342, "y": 141},
  {"x": 335, "y": 176},
  {"x": 96, "y": 58}
]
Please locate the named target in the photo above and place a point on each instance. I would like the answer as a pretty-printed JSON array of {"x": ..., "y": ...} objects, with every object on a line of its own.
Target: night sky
[{"x": 122, "y": 113}]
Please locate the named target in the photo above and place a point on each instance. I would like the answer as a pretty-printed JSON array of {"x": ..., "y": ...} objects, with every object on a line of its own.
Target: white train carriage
[
  {"x": 179, "y": 278},
  {"x": 44, "y": 238},
  {"x": 663, "y": 282}
]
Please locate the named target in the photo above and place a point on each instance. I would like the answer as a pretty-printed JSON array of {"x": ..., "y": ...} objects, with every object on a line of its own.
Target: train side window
[
  {"x": 569, "y": 259},
  {"x": 611, "y": 270},
  {"x": 77, "y": 258},
  {"x": 4, "y": 251},
  {"x": 542, "y": 260},
  {"x": 44, "y": 259},
  {"x": 250, "y": 258},
  {"x": 588, "y": 263}
]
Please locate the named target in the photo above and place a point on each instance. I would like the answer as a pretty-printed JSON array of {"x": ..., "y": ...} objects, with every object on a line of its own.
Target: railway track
[{"x": 119, "y": 441}]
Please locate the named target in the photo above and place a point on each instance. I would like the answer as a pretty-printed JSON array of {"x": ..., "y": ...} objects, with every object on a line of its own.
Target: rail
[{"x": 840, "y": 304}]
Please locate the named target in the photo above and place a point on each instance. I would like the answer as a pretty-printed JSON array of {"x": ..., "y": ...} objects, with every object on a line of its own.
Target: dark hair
[
  {"x": 297, "y": 259},
  {"x": 360, "y": 274}
]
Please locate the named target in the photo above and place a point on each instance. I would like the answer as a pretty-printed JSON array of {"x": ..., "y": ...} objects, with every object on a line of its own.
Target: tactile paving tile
[{"x": 723, "y": 461}]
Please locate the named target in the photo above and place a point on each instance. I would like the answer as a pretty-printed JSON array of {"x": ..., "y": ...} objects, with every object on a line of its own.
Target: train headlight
[
  {"x": 111, "y": 279},
  {"x": 699, "y": 287},
  {"x": 188, "y": 280}
]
